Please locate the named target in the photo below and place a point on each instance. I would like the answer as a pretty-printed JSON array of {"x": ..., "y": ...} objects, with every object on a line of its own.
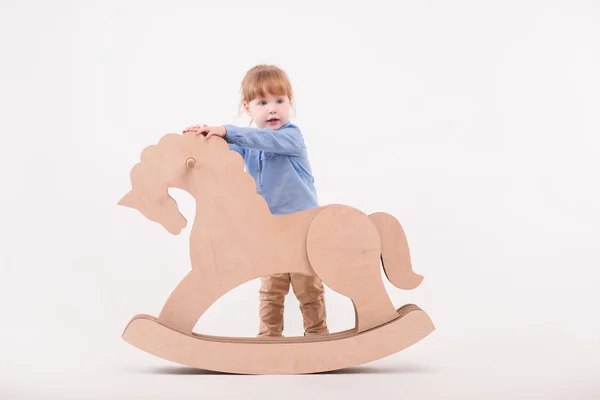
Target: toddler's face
[{"x": 269, "y": 112}]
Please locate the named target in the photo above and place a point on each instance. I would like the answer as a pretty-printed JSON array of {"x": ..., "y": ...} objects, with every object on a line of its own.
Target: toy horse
[{"x": 235, "y": 239}]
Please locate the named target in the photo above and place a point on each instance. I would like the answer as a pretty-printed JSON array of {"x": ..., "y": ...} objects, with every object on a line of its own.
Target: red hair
[{"x": 262, "y": 79}]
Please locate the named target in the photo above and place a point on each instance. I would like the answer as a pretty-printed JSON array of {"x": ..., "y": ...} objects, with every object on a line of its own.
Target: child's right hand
[{"x": 193, "y": 128}]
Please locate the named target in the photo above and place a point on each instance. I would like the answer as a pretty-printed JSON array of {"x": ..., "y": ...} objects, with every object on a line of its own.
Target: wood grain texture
[{"x": 235, "y": 239}]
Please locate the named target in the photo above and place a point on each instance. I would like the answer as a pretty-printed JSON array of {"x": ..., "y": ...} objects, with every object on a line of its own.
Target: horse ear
[{"x": 128, "y": 200}]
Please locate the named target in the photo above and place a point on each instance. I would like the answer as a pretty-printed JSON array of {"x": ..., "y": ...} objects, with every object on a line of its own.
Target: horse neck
[{"x": 224, "y": 199}]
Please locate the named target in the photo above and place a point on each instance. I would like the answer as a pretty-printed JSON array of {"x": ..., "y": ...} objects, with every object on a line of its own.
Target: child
[{"x": 275, "y": 155}]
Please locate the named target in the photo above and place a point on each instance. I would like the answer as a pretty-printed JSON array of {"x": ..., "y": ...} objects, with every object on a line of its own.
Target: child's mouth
[{"x": 273, "y": 121}]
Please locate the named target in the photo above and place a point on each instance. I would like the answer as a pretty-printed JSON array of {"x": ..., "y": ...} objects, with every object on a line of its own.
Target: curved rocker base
[{"x": 287, "y": 355}]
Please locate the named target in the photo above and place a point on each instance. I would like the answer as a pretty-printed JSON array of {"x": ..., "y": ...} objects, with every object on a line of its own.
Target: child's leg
[
  {"x": 311, "y": 294},
  {"x": 273, "y": 290}
]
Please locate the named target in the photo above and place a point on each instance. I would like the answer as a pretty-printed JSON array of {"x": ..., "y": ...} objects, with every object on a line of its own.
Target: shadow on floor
[{"x": 360, "y": 370}]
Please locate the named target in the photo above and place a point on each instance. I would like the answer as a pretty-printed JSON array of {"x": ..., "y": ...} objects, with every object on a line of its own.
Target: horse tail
[{"x": 395, "y": 255}]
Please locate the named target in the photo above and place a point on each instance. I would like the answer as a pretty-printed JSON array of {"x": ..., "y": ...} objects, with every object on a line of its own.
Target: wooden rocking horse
[{"x": 235, "y": 239}]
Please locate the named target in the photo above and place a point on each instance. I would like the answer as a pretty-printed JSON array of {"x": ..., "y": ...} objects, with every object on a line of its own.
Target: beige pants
[{"x": 310, "y": 294}]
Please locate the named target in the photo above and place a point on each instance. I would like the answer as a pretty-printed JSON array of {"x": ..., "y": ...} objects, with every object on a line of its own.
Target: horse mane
[{"x": 165, "y": 162}]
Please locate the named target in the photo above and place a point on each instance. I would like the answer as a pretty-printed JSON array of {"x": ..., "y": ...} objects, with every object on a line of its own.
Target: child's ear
[{"x": 247, "y": 108}]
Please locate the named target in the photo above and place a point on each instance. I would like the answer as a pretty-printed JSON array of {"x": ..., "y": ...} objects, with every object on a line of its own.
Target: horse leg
[
  {"x": 189, "y": 300},
  {"x": 344, "y": 250}
]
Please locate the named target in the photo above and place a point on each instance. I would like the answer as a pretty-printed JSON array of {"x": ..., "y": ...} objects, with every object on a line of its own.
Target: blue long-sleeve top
[{"x": 278, "y": 162}]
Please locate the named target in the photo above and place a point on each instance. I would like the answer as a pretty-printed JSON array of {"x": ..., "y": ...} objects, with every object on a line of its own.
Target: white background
[{"x": 475, "y": 123}]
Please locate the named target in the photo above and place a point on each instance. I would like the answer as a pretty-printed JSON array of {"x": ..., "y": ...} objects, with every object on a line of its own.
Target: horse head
[
  {"x": 161, "y": 166},
  {"x": 205, "y": 168}
]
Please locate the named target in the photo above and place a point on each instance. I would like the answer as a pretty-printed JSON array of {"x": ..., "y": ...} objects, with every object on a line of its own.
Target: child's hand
[
  {"x": 207, "y": 131},
  {"x": 212, "y": 131},
  {"x": 193, "y": 128}
]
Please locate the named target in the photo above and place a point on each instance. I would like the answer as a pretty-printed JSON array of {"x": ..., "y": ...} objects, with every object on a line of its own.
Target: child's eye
[
  {"x": 262, "y": 102},
  {"x": 280, "y": 101}
]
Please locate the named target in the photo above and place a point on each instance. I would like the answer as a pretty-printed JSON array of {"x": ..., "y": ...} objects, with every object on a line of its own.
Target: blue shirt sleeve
[{"x": 287, "y": 140}]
